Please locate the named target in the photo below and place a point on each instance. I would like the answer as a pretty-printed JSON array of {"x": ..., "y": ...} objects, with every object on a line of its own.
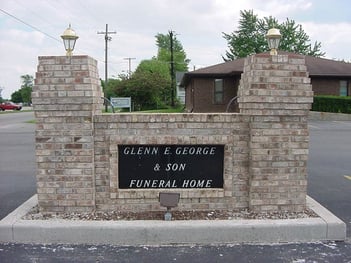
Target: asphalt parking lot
[{"x": 329, "y": 167}]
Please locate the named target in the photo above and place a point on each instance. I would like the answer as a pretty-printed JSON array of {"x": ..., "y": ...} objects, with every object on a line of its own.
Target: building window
[
  {"x": 343, "y": 88},
  {"x": 218, "y": 91}
]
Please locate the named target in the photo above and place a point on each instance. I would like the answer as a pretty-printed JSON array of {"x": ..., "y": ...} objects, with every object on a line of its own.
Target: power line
[
  {"x": 29, "y": 25},
  {"x": 54, "y": 38}
]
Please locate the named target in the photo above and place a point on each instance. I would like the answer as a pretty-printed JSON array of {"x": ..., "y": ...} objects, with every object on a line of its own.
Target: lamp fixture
[
  {"x": 273, "y": 38},
  {"x": 69, "y": 37}
]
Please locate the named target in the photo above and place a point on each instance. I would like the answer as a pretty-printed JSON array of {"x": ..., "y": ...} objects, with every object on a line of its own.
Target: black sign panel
[{"x": 170, "y": 166}]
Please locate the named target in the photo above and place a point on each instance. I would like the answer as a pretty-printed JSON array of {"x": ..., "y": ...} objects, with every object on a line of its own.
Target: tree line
[
  {"x": 24, "y": 94},
  {"x": 150, "y": 84},
  {"x": 250, "y": 38}
]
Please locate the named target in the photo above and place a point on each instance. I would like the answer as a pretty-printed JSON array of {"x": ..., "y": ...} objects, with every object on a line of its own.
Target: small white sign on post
[{"x": 122, "y": 102}]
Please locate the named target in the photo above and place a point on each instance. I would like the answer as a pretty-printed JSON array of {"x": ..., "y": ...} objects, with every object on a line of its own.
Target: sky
[{"x": 29, "y": 29}]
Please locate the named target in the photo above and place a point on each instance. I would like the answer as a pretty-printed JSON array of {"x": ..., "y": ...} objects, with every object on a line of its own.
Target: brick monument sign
[{"x": 255, "y": 159}]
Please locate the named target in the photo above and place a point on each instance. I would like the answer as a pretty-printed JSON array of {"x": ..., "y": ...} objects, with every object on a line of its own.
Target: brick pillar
[
  {"x": 276, "y": 92},
  {"x": 65, "y": 97}
]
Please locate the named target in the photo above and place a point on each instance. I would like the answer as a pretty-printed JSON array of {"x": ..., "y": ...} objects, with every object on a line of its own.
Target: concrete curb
[
  {"x": 16, "y": 230},
  {"x": 328, "y": 116}
]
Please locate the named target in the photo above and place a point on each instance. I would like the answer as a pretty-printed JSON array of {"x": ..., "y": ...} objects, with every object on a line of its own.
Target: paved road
[
  {"x": 329, "y": 167},
  {"x": 288, "y": 253},
  {"x": 17, "y": 160},
  {"x": 329, "y": 162}
]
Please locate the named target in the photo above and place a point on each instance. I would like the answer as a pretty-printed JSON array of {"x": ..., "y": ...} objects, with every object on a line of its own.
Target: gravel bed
[{"x": 34, "y": 214}]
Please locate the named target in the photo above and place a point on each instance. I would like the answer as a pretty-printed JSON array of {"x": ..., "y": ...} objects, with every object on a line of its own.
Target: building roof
[
  {"x": 327, "y": 67},
  {"x": 317, "y": 67}
]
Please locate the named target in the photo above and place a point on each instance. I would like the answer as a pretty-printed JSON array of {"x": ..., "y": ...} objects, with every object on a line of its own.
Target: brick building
[{"x": 210, "y": 89}]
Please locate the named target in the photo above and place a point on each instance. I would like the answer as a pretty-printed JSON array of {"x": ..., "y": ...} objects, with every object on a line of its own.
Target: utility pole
[
  {"x": 107, "y": 38},
  {"x": 172, "y": 69},
  {"x": 129, "y": 66}
]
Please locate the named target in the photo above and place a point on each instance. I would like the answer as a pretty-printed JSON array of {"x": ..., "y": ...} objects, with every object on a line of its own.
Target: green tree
[
  {"x": 250, "y": 37},
  {"x": 160, "y": 80},
  {"x": 16, "y": 97},
  {"x": 147, "y": 86},
  {"x": 150, "y": 85},
  {"x": 109, "y": 91},
  {"x": 26, "y": 88},
  {"x": 24, "y": 94},
  {"x": 27, "y": 81},
  {"x": 296, "y": 40},
  {"x": 163, "y": 43}
]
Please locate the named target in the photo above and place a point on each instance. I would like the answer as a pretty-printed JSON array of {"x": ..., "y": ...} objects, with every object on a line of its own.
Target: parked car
[{"x": 9, "y": 105}]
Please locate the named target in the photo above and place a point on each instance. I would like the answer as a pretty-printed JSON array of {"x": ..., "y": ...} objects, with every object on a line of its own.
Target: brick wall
[
  {"x": 65, "y": 98},
  {"x": 265, "y": 145},
  {"x": 276, "y": 92},
  {"x": 204, "y": 95},
  {"x": 166, "y": 129},
  {"x": 331, "y": 86}
]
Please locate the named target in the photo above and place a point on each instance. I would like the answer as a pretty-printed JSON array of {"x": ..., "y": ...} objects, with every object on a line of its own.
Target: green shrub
[{"x": 332, "y": 104}]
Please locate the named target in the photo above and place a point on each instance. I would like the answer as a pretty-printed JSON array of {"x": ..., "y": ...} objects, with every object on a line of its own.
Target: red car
[{"x": 8, "y": 105}]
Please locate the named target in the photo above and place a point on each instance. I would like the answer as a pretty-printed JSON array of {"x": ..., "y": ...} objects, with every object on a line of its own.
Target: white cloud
[
  {"x": 287, "y": 7},
  {"x": 335, "y": 38}
]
